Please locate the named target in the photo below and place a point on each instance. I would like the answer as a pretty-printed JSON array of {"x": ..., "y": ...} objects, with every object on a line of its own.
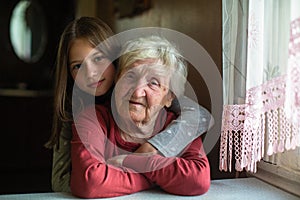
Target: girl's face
[{"x": 91, "y": 70}]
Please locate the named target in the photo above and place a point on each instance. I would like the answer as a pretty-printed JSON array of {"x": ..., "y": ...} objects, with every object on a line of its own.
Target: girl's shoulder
[{"x": 93, "y": 112}]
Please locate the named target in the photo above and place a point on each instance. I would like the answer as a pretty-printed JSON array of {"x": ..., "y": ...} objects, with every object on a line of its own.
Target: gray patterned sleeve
[{"x": 194, "y": 120}]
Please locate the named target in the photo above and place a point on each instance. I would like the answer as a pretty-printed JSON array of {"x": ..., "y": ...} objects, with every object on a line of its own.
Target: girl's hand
[{"x": 116, "y": 161}]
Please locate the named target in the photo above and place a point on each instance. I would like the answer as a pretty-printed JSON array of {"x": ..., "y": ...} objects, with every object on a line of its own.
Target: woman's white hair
[{"x": 156, "y": 47}]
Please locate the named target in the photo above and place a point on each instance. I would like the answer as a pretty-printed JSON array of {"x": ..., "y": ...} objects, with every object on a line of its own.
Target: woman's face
[
  {"x": 92, "y": 71},
  {"x": 142, "y": 91}
]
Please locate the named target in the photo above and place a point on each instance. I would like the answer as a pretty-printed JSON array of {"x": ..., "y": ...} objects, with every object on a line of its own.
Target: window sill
[{"x": 278, "y": 177}]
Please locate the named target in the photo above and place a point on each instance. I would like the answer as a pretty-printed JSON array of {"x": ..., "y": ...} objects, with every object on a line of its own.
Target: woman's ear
[{"x": 169, "y": 99}]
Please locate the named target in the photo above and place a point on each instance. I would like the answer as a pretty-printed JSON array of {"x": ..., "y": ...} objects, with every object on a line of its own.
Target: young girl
[{"x": 79, "y": 38}]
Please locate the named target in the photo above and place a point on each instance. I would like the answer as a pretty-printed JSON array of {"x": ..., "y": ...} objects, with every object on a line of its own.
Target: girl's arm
[
  {"x": 194, "y": 120},
  {"x": 61, "y": 164}
]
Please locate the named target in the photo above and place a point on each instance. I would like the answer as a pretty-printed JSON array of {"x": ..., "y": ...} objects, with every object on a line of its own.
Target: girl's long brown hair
[{"x": 93, "y": 30}]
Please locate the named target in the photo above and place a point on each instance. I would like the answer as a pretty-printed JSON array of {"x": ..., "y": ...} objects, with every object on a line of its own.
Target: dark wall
[
  {"x": 26, "y": 102},
  {"x": 25, "y": 127}
]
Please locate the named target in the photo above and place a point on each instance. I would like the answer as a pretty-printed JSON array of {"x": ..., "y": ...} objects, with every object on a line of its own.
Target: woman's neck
[
  {"x": 131, "y": 138},
  {"x": 137, "y": 132}
]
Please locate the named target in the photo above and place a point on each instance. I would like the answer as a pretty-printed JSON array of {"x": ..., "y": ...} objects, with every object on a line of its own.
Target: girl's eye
[
  {"x": 76, "y": 67},
  {"x": 98, "y": 58}
]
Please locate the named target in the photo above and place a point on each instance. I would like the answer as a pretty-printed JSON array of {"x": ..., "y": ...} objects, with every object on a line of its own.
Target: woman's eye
[
  {"x": 154, "y": 82},
  {"x": 130, "y": 76}
]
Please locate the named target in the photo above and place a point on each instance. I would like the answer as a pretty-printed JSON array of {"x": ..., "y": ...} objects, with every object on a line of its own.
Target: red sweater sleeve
[
  {"x": 91, "y": 177},
  {"x": 185, "y": 175}
]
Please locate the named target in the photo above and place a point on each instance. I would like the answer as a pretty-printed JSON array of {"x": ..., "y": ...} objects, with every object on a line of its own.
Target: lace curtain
[{"x": 261, "y": 81}]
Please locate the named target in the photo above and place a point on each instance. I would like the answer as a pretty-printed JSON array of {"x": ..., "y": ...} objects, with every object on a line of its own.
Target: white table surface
[{"x": 231, "y": 189}]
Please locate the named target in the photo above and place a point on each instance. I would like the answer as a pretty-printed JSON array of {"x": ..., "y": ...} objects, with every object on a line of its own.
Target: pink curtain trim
[
  {"x": 244, "y": 127},
  {"x": 294, "y": 44}
]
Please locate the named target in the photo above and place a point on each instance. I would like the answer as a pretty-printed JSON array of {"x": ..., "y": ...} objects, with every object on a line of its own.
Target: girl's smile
[{"x": 96, "y": 84}]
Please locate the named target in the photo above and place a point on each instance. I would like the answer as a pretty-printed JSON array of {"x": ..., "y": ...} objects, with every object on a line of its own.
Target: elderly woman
[{"x": 151, "y": 74}]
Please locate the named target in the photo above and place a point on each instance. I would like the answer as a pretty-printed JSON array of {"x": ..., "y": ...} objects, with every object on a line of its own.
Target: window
[{"x": 261, "y": 81}]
